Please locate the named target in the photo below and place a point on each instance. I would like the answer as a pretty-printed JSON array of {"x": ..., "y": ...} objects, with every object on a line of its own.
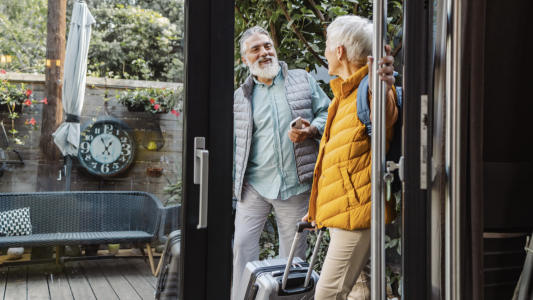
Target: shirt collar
[{"x": 343, "y": 88}]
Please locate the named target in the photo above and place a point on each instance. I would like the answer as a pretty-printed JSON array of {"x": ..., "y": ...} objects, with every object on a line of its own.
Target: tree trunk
[
  {"x": 49, "y": 153},
  {"x": 273, "y": 32}
]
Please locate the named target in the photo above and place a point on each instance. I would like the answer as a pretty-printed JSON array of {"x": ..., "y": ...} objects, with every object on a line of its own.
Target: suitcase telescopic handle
[
  {"x": 301, "y": 226},
  {"x": 313, "y": 258},
  {"x": 299, "y": 229}
]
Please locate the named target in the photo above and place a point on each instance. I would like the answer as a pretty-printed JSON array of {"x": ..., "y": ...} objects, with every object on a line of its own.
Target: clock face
[{"x": 106, "y": 149}]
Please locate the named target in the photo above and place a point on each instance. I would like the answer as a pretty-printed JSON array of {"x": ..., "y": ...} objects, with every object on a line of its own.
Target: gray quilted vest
[{"x": 298, "y": 94}]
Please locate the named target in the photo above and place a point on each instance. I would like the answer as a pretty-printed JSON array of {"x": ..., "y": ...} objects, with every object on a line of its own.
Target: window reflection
[{"x": 133, "y": 93}]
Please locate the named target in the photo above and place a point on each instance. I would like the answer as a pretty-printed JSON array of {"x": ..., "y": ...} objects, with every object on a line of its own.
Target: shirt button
[{"x": 323, "y": 176}]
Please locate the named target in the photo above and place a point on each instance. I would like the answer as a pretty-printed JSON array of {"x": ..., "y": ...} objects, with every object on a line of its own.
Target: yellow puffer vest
[{"x": 340, "y": 197}]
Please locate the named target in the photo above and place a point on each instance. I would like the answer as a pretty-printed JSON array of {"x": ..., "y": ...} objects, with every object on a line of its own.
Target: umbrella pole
[{"x": 68, "y": 173}]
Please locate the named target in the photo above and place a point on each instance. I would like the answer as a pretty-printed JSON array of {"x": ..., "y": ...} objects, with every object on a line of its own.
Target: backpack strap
[{"x": 363, "y": 108}]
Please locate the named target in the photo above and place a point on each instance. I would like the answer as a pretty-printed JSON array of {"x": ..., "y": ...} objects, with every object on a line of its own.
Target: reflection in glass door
[{"x": 90, "y": 218}]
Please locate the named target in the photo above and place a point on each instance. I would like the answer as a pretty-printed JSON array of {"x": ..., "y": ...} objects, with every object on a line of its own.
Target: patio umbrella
[{"x": 67, "y": 136}]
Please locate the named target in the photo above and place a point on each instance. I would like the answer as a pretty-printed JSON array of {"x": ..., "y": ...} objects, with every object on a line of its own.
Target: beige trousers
[{"x": 346, "y": 270}]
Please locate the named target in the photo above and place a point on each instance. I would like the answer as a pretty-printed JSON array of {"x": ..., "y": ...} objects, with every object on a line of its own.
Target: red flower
[
  {"x": 28, "y": 93},
  {"x": 27, "y": 102},
  {"x": 176, "y": 113},
  {"x": 45, "y": 101},
  {"x": 156, "y": 106},
  {"x": 152, "y": 101},
  {"x": 2, "y": 71},
  {"x": 32, "y": 121}
]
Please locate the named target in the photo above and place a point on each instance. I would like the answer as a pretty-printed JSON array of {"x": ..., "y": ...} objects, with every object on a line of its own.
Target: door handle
[{"x": 201, "y": 177}]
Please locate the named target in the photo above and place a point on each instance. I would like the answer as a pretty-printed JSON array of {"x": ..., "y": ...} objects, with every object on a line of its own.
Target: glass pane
[{"x": 115, "y": 67}]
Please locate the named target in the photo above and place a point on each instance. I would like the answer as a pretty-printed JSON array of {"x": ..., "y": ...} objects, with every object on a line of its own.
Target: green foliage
[
  {"x": 391, "y": 278},
  {"x": 16, "y": 97},
  {"x": 153, "y": 100},
  {"x": 132, "y": 40},
  {"x": 12, "y": 95},
  {"x": 125, "y": 31},
  {"x": 291, "y": 49},
  {"x": 174, "y": 186},
  {"x": 23, "y": 33},
  {"x": 397, "y": 242},
  {"x": 269, "y": 240},
  {"x": 391, "y": 243}
]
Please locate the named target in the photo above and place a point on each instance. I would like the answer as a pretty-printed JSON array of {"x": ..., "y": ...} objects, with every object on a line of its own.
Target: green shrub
[{"x": 133, "y": 40}]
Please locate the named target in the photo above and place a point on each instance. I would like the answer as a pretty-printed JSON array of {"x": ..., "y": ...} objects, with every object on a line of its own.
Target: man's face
[{"x": 259, "y": 47}]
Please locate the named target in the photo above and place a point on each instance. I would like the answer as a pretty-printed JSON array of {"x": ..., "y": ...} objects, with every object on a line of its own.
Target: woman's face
[{"x": 334, "y": 64}]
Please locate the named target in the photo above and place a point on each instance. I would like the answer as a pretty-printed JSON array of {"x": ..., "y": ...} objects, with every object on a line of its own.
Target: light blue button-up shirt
[{"x": 271, "y": 168}]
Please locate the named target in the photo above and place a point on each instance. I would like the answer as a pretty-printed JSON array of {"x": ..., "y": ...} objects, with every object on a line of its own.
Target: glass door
[{"x": 101, "y": 102}]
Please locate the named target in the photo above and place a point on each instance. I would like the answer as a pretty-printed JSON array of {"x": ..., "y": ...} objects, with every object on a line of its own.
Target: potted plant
[
  {"x": 113, "y": 248},
  {"x": 92, "y": 249},
  {"x": 152, "y": 100},
  {"x": 174, "y": 187},
  {"x": 12, "y": 98}
]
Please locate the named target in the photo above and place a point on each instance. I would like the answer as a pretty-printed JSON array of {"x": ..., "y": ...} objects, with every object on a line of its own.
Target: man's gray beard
[{"x": 269, "y": 71}]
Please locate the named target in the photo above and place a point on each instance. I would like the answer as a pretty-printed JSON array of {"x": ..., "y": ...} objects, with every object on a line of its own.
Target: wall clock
[{"x": 108, "y": 147}]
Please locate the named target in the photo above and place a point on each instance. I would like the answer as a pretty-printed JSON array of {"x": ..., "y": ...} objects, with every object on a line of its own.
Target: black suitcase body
[
  {"x": 168, "y": 282},
  {"x": 281, "y": 278}
]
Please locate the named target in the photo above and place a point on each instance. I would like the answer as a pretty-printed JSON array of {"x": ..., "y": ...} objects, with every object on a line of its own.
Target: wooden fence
[{"x": 19, "y": 178}]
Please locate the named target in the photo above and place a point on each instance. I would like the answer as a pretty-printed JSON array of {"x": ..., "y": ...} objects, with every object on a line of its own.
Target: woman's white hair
[{"x": 355, "y": 34}]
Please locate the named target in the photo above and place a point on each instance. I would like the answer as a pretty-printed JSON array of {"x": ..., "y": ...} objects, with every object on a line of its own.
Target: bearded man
[{"x": 273, "y": 166}]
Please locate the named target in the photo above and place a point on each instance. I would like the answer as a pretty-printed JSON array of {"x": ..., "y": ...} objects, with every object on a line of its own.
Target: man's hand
[
  {"x": 385, "y": 73},
  {"x": 300, "y": 135},
  {"x": 306, "y": 218}
]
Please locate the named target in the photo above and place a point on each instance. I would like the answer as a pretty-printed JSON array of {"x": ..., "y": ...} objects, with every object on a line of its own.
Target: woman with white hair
[{"x": 340, "y": 196}]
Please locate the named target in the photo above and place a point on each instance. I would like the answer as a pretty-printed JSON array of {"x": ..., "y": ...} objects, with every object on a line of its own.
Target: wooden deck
[{"x": 121, "y": 278}]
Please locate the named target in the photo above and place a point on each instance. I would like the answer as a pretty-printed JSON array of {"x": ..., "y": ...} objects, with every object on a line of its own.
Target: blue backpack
[{"x": 395, "y": 148}]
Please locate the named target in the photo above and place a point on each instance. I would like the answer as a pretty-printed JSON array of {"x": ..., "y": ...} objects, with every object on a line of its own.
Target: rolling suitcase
[
  {"x": 279, "y": 279},
  {"x": 167, "y": 284}
]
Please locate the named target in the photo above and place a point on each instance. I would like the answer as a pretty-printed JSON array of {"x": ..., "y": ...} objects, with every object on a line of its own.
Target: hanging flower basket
[
  {"x": 137, "y": 108},
  {"x": 14, "y": 96},
  {"x": 4, "y": 108},
  {"x": 151, "y": 100}
]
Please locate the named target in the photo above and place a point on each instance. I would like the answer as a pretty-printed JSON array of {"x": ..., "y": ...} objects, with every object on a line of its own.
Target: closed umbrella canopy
[{"x": 67, "y": 136}]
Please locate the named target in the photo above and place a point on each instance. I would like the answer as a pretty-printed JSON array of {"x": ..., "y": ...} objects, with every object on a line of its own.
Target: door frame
[
  {"x": 416, "y": 212},
  {"x": 206, "y": 255}
]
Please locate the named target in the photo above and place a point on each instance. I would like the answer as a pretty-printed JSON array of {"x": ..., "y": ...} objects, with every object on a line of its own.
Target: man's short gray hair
[
  {"x": 355, "y": 34},
  {"x": 248, "y": 33}
]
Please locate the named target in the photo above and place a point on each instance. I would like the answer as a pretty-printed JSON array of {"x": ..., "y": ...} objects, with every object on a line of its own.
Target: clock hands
[{"x": 106, "y": 147}]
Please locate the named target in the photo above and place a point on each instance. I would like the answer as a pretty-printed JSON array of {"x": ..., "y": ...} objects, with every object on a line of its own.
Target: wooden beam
[{"x": 49, "y": 154}]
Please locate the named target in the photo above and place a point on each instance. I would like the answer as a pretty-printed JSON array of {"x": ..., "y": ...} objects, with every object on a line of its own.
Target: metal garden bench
[{"x": 83, "y": 218}]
